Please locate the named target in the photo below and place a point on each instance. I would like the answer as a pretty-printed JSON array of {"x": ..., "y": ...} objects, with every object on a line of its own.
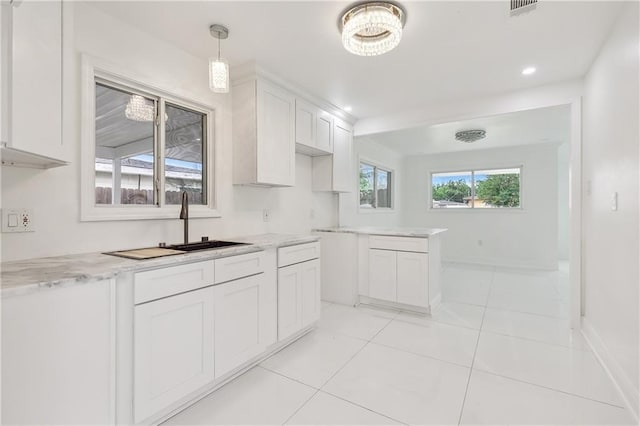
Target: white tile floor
[{"x": 498, "y": 351}]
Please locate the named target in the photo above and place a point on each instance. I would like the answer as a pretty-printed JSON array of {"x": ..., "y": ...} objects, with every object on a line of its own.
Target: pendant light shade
[
  {"x": 218, "y": 75},
  {"x": 138, "y": 109},
  {"x": 374, "y": 28},
  {"x": 218, "y": 67}
]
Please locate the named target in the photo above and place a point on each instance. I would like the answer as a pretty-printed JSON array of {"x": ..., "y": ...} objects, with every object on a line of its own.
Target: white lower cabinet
[
  {"x": 173, "y": 349},
  {"x": 382, "y": 274},
  {"x": 398, "y": 276},
  {"x": 58, "y": 361},
  {"x": 245, "y": 316},
  {"x": 298, "y": 297},
  {"x": 412, "y": 273}
]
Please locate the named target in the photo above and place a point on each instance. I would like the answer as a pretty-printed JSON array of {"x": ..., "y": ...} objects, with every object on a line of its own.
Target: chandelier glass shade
[
  {"x": 218, "y": 75},
  {"x": 138, "y": 109},
  {"x": 218, "y": 67},
  {"x": 372, "y": 29}
]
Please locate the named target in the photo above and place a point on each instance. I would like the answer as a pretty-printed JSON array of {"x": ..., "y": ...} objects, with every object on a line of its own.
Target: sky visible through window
[{"x": 171, "y": 162}]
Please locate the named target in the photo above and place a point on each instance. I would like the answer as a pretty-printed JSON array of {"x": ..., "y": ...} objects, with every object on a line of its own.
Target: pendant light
[
  {"x": 218, "y": 67},
  {"x": 373, "y": 28},
  {"x": 138, "y": 109}
]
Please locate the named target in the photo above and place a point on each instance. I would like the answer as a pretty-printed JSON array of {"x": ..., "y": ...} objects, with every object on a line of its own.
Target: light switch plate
[{"x": 17, "y": 220}]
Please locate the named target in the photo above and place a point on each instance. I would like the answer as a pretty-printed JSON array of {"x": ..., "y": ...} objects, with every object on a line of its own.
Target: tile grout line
[
  {"x": 430, "y": 357},
  {"x": 473, "y": 360},
  {"x": 551, "y": 389},
  {"x": 287, "y": 377},
  {"x": 529, "y": 339},
  {"x": 300, "y": 407},
  {"x": 334, "y": 374},
  {"x": 361, "y": 406}
]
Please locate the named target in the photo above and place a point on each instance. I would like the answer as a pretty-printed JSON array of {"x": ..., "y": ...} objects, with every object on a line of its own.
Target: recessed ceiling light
[
  {"x": 528, "y": 70},
  {"x": 348, "y": 108}
]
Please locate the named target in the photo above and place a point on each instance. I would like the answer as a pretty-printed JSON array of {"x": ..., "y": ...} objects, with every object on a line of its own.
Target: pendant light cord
[{"x": 218, "y": 45}]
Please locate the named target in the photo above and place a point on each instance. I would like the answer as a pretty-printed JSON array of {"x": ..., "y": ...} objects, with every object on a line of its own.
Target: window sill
[
  {"x": 504, "y": 209},
  {"x": 108, "y": 213},
  {"x": 374, "y": 210}
]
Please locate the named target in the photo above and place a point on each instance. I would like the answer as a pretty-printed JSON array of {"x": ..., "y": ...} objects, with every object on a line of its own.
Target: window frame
[
  {"x": 473, "y": 171},
  {"x": 94, "y": 71},
  {"x": 392, "y": 189}
]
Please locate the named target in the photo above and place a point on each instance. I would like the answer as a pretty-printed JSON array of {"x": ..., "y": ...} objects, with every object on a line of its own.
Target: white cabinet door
[
  {"x": 324, "y": 132},
  {"x": 305, "y": 123},
  {"x": 298, "y": 297},
  {"x": 275, "y": 149},
  {"x": 58, "y": 360},
  {"x": 310, "y": 291},
  {"x": 36, "y": 77},
  {"x": 382, "y": 274},
  {"x": 173, "y": 349},
  {"x": 289, "y": 310},
  {"x": 343, "y": 177},
  {"x": 244, "y": 309},
  {"x": 413, "y": 277}
]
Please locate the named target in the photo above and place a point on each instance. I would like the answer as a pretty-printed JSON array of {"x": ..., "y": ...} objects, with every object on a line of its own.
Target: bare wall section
[
  {"x": 610, "y": 166},
  {"x": 526, "y": 237}
]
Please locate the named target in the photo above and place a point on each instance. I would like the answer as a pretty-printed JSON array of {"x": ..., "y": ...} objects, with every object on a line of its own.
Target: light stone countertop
[
  {"x": 30, "y": 275},
  {"x": 399, "y": 232}
]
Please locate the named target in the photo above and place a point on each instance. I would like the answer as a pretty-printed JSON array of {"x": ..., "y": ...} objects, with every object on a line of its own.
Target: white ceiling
[
  {"x": 449, "y": 50},
  {"x": 543, "y": 125}
]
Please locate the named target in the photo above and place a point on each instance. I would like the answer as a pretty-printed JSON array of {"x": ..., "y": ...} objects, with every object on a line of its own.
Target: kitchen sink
[{"x": 204, "y": 245}]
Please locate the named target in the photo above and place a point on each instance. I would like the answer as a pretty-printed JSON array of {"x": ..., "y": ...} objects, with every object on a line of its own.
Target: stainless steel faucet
[{"x": 184, "y": 215}]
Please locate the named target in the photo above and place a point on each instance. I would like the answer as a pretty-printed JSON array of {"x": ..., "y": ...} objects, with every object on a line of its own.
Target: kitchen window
[
  {"x": 477, "y": 189},
  {"x": 375, "y": 187},
  {"x": 142, "y": 148}
]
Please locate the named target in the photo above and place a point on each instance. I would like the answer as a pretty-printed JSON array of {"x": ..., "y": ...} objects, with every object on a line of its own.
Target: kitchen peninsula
[{"x": 390, "y": 267}]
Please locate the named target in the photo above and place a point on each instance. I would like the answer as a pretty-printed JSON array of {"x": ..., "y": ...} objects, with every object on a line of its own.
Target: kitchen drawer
[
  {"x": 234, "y": 267},
  {"x": 298, "y": 253},
  {"x": 386, "y": 242},
  {"x": 151, "y": 285}
]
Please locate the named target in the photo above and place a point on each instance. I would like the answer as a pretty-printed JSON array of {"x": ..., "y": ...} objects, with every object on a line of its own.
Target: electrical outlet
[
  {"x": 266, "y": 215},
  {"x": 614, "y": 201},
  {"x": 17, "y": 220}
]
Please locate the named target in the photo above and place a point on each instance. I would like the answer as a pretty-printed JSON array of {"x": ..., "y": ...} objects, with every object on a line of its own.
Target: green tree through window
[
  {"x": 488, "y": 188},
  {"x": 500, "y": 190},
  {"x": 451, "y": 191}
]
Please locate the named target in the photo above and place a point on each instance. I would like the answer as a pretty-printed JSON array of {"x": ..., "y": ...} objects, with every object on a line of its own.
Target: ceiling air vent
[
  {"x": 522, "y": 6},
  {"x": 470, "y": 136}
]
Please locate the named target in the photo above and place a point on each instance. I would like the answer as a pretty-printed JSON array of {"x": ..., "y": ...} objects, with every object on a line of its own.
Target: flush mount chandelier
[
  {"x": 374, "y": 28},
  {"x": 470, "y": 136}
]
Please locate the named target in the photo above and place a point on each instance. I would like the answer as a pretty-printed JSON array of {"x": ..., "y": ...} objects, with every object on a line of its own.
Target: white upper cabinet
[
  {"x": 263, "y": 134},
  {"x": 324, "y": 132},
  {"x": 314, "y": 129},
  {"x": 32, "y": 83},
  {"x": 335, "y": 172},
  {"x": 306, "y": 117}
]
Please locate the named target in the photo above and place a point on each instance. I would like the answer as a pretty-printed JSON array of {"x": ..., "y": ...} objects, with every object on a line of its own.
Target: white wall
[
  {"x": 54, "y": 195},
  {"x": 563, "y": 201},
  {"x": 610, "y": 164},
  {"x": 350, "y": 215},
  {"x": 526, "y": 237}
]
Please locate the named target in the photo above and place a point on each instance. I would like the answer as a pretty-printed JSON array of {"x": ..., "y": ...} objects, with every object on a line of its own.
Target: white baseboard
[
  {"x": 504, "y": 263},
  {"x": 621, "y": 380}
]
